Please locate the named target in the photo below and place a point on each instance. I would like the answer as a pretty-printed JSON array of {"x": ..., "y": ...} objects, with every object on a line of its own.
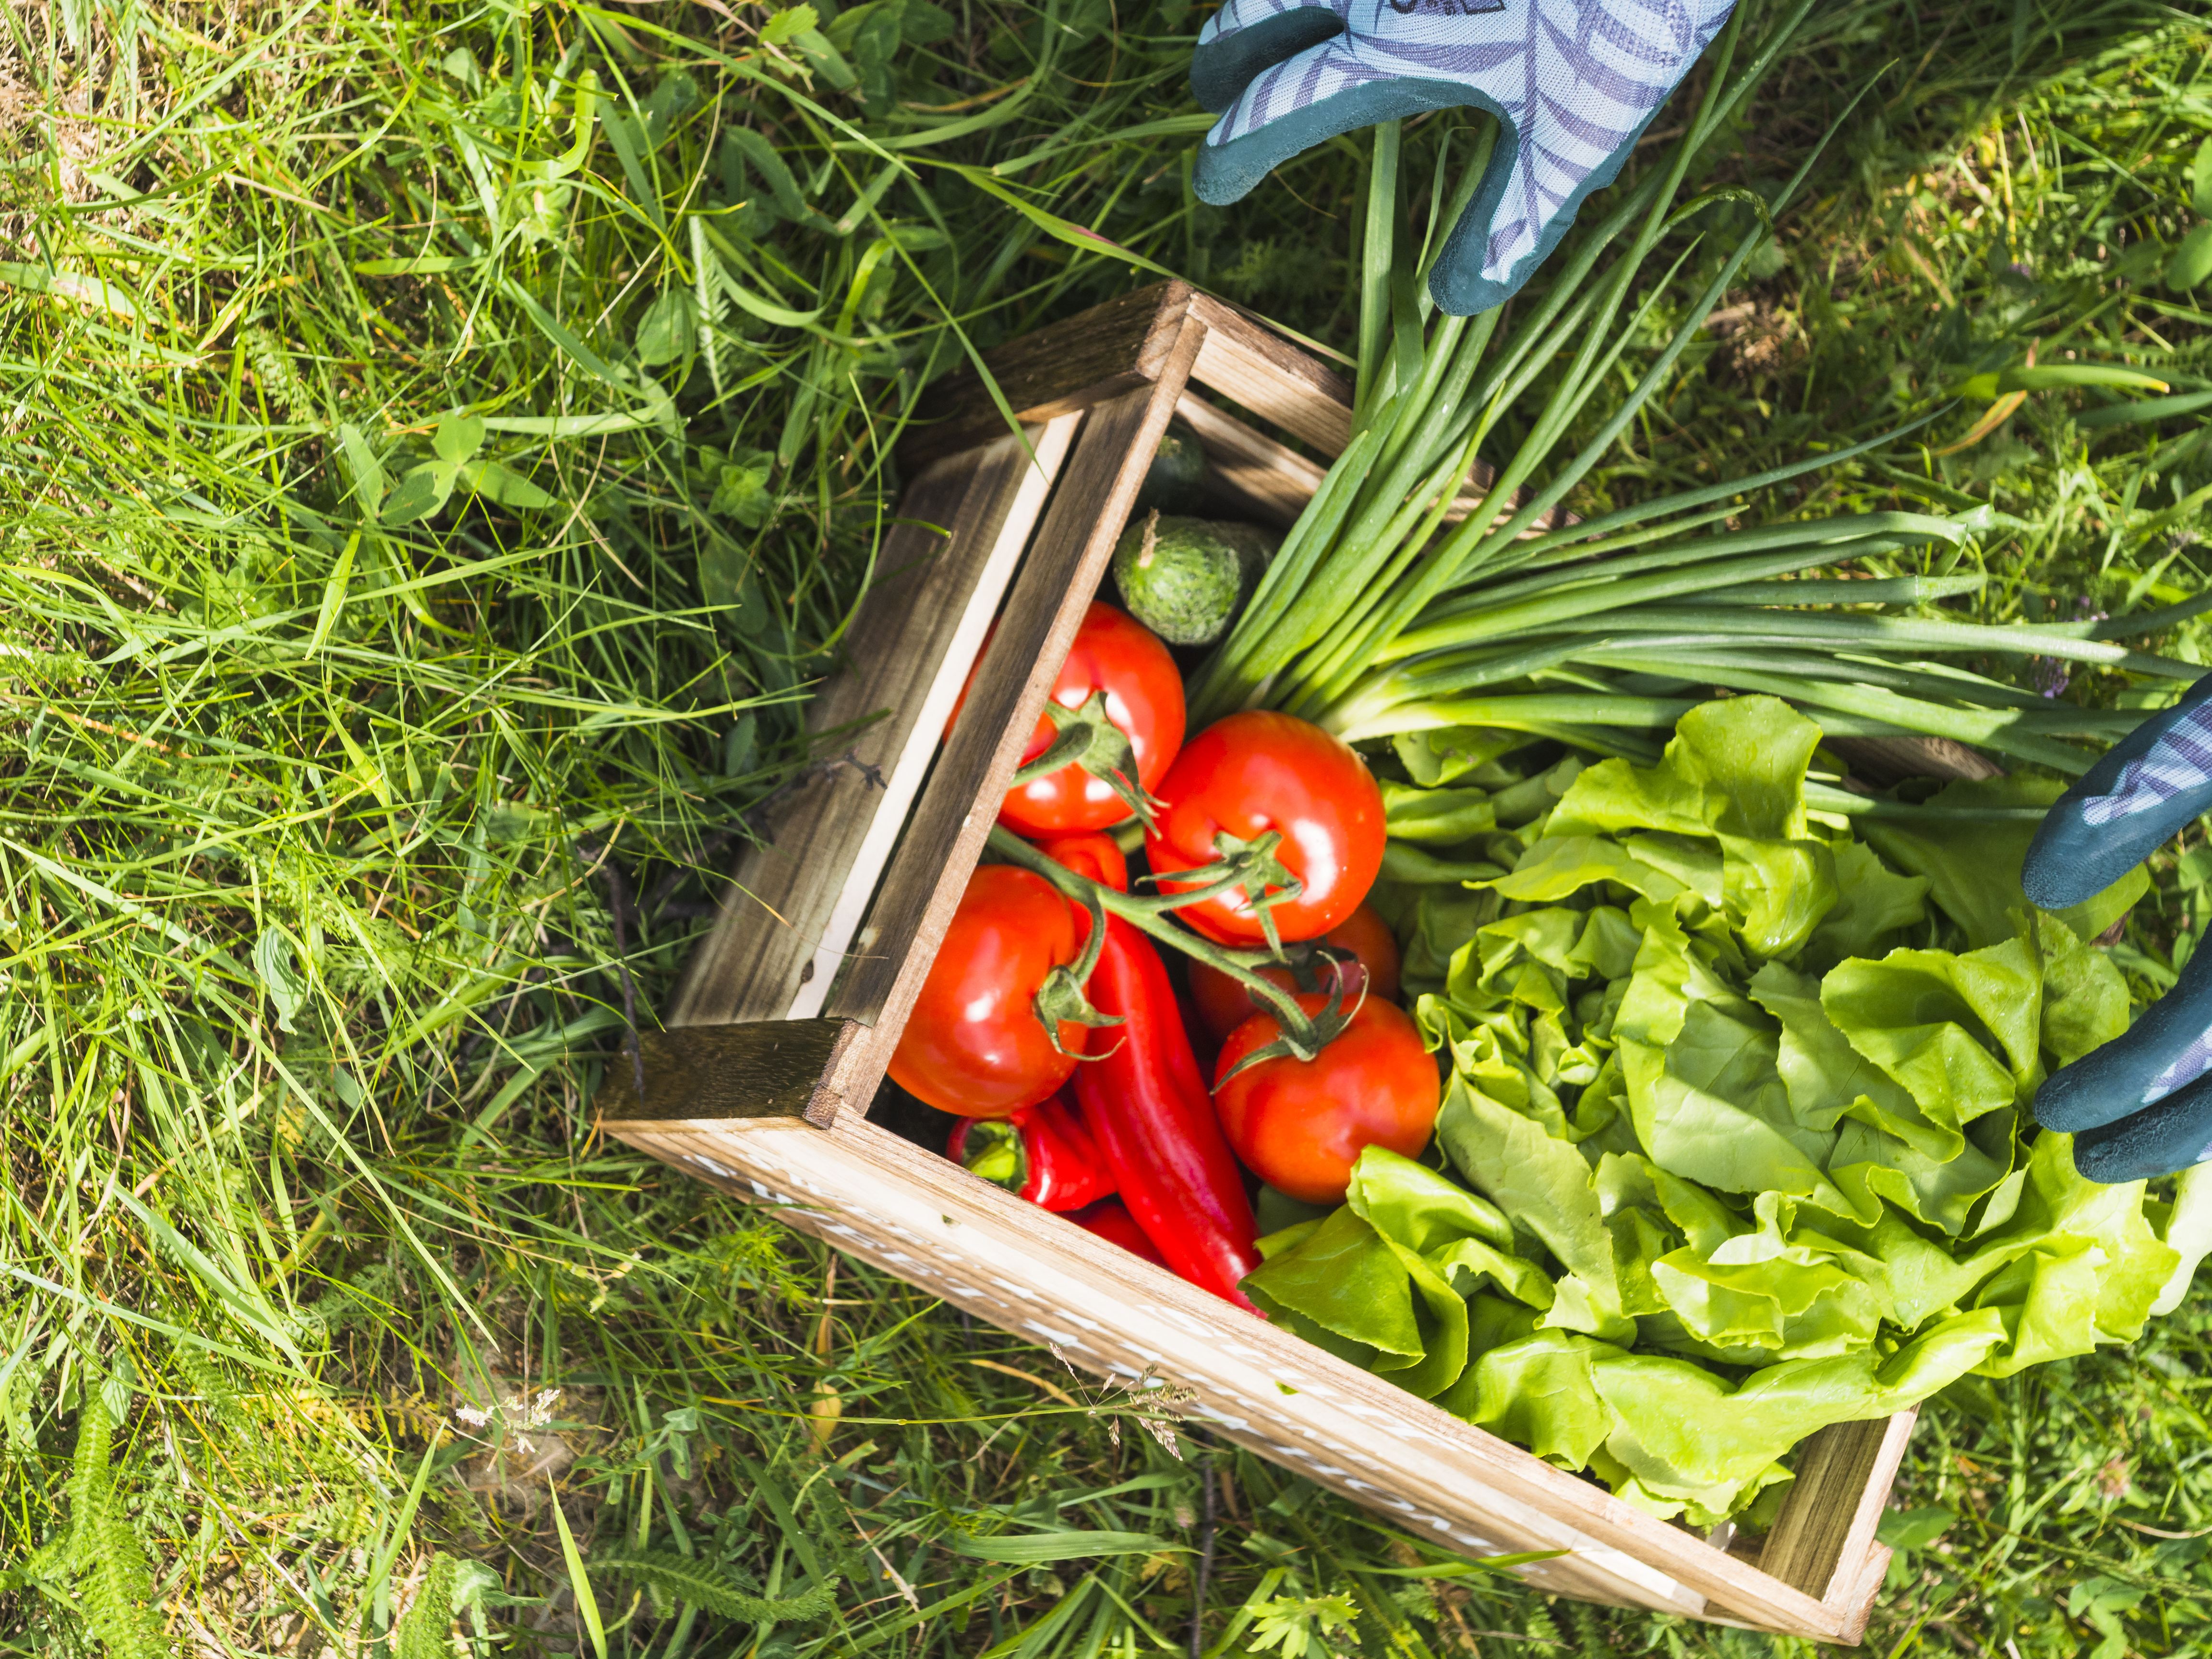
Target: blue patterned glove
[
  {"x": 2141, "y": 1105},
  {"x": 1573, "y": 84}
]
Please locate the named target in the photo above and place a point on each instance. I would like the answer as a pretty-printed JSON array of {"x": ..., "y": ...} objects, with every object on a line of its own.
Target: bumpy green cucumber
[
  {"x": 1176, "y": 477},
  {"x": 1186, "y": 578}
]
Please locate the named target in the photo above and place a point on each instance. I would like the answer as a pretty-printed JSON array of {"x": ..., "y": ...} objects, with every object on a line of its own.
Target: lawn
[{"x": 444, "y": 442}]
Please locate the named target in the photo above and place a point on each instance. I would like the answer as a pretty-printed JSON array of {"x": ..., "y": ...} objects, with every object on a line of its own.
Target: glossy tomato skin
[
  {"x": 973, "y": 1045},
  {"x": 1223, "y": 1004},
  {"x": 1115, "y": 653},
  {"x": 1259, "y": 771},
  {"x": 1299, "y": 1125}
]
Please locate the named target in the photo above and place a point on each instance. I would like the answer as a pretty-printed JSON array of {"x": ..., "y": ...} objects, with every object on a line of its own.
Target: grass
[{"x": 341, "y": 823}]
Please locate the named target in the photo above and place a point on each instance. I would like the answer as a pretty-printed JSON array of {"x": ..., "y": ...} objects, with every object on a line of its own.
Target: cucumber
[
  {"x": 1176, "y": 477},
  {"x": 1186, "y": 578}
]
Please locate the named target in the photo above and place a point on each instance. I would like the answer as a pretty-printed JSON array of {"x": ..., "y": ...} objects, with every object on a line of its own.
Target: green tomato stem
[{"x": 1148, "y": 916}]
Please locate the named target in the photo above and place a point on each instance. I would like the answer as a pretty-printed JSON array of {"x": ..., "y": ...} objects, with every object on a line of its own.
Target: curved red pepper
[
  {"x": 1110, "y": 1219},
  {"x": 1147, "y": 1105},
  {"x": 1053, "y": 1162},
  {"x": 1091, "y": 853},
  {"x": 1148, "y": 1108}
]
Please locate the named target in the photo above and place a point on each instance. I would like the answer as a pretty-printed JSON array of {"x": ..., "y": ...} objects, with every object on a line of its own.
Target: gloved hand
[
  {"x": 2141, "y": 1105},
  {"x": 1573, "y": 84}
]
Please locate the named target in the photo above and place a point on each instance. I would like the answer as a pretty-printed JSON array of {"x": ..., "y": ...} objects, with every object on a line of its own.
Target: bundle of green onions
[{"x": 1380, "y": 617}]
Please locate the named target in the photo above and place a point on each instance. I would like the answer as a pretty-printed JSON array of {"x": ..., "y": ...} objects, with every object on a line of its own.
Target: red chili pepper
[
  {"x": 1093, "y": 854},
  {"x": 1043, "y": 1152},
  {"x": 1148, "y": 1106},
  {"x": 1110, "y": 1219}
]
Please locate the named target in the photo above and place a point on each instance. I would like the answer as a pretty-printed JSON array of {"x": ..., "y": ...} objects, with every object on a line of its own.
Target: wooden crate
[{"x": 781, "y": 1031}]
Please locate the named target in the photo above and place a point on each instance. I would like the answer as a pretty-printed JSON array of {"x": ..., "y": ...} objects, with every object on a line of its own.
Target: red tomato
[
  {"x": 1259, "y": 771},
  {"x": 1115, "y": 653},
  {"x": 974, "y": 1045},
  {"x": 1223, "y": 1004},
  {"x": 1299, "y": 1124}
]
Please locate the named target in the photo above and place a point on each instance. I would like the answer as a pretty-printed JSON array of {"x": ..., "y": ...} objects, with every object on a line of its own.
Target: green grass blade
[{"x": 580, "y": 1581}]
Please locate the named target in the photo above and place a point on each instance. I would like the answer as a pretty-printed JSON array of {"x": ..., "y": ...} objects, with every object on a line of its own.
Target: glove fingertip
[
  {"x": 2071, "y": 1102},
  {"x": 2159, "y": 1141},
  {"x": 1460, "y": 293},
  {"x": 1223, "y": 175},
  {"x": 2063, "y": 866}
]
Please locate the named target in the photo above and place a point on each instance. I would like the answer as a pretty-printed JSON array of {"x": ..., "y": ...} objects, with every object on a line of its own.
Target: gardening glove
[
  {"x": 2141, "y": 1105},
  {"x": 1573, "y": 84}
]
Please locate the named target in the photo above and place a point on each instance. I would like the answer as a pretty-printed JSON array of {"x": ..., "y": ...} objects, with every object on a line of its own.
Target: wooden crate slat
[
  {"x": 767, "y": 1068},
  {"x": 1852, "y": 1602},
  {"x": 892, "y": 953},
  {"x": 918, "y": 1217},
  {"x": 1821, "y": 1540},
  {"x": 797, "y": 897},
  {"x": 1114, "y": 348},
  {"x": 1247, "y": 364},
  {"x": 1249, "y": 473},
  {"x": 1254, "y": 474},
  {"x": 1066, "y": 366},
  {"x": 1885, "y": 761},
  {"x": 1119, "y": 1317}
]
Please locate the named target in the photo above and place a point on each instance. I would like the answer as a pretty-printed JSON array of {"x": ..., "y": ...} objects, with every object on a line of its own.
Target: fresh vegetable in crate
[
  {"x": 1271, "y": 827},
  {"x": 974, "y": 1045},
  {"x": 1145, "y": 1100},
  {"x": 1111, "y": 726},
  {"x": 1300, "y": 1125},
  {"x": 1186, "y": 579},
  {"x": 1042, "y": 1153},
  {"x": 1735, "y": 1138},
  {"x": 1175, "y": 480},
  {"x": 1223, "y": 1004},
  {"x": 1110, "y": 1219},
  {"x": 1261, "y": 777}
]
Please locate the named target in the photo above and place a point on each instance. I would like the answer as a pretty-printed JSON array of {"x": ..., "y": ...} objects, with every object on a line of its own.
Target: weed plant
[{"x": 443, "y": 444}]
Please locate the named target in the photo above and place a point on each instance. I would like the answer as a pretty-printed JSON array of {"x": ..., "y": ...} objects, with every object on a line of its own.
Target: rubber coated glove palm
[
  {"x": 2141, "y": 1105},
  {"x": 1573, "y": 84}
]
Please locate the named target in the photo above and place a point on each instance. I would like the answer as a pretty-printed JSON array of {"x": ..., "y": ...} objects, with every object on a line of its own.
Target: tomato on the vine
[
  {"x": 974, "y": 1045},
  {"x": 1115, "y": 654},
  {"x": 1223, "y": 1004},
  {"x": 1256, "y": 772},
  {"x": 1299, "y": 1124}
]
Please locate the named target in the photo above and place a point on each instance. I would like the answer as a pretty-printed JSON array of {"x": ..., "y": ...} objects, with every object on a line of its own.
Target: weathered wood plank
[
  {"x": 1247, "y": 473},
  {"x": 917, "y": 1216},
  {"x": 892, "y": 953},
  {"x": 1252, "y": 474},
  {"x": 1885, "y": 761},
  {"x": 1852, "y": 1602},
  {"x": 1068, "y": 365},
  {"x": 772, "y": 1068},
  {"x": 1111, "y": 349},
  {"x": 1248, "y": 365},
  {"x": 1819, "y": 1541},
  {"x": 797, "y": 897}
]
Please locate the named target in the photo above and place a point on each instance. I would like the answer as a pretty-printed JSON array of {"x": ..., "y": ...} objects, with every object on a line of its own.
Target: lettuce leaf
[
  {"x": 1972, "y": 866},
  {"x": 1389, "y": 1274},
  {"x": 1732, "y": 1152}
]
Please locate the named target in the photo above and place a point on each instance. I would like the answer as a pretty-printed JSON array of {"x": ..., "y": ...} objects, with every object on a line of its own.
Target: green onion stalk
[{"x": 1397, "y": 604}]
